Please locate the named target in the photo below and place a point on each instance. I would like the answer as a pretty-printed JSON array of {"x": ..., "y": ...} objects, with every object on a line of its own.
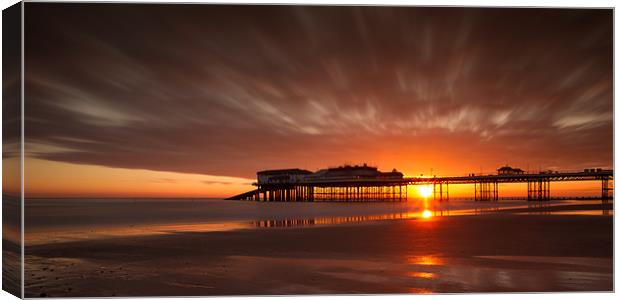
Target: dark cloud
[
  {"x": 11, "y": 87},
  {"x": 228, "y": 90}
]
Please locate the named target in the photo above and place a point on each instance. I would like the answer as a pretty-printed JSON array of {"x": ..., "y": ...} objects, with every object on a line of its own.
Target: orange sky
[{"x": 54, "y": 179}]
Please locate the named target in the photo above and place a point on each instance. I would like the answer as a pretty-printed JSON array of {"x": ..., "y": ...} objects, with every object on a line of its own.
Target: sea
[{"x": 62, "y": 220}]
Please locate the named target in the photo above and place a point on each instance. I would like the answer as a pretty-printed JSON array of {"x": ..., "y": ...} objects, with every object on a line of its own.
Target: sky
[{"x": 192, "y": 100}]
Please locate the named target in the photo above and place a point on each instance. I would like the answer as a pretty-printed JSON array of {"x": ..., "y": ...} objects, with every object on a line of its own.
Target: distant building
[
  {"x": 348, "y": 172},
  {"x": 281, "y": 176},
  {"x": 507, "y": 170},
  {"x": 548, "y": 172}
]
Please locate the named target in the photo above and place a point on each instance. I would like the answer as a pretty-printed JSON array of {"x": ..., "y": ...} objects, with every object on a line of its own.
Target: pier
[{"x": 367, "y": 184}]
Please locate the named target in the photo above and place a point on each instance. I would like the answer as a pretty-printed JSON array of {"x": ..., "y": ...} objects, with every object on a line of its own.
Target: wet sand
[
  {"x": 471, "y": 253},
  {"x": 11, "y": 267},
  {"x": 11, "y": 245}
]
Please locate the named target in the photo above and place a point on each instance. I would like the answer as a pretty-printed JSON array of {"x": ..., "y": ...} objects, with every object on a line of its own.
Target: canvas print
[
  {"x": 11, "y": 151},
  {"x": 218, "y": 150}
]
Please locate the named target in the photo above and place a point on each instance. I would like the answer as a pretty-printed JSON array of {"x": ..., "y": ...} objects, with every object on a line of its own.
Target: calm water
[{"x": 60, "y": 220}]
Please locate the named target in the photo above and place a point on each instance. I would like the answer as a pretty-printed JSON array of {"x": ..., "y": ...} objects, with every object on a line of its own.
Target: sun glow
[
  {"x": 425, "y": 191},
  {"x": 427, "y": 214}
]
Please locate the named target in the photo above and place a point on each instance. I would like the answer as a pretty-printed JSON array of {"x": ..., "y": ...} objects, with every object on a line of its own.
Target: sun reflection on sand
[
  {"x": 427, "y": 260},
  {"x": 427, "y": 275},
  {"x": 420, "y": 291}
]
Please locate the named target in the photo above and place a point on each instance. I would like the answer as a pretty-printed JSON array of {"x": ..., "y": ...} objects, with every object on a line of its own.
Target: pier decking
[{"x": 362, "y": 183}]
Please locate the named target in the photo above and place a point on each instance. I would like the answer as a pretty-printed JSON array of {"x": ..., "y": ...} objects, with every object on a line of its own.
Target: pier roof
[{"x": 283, "y": 171}]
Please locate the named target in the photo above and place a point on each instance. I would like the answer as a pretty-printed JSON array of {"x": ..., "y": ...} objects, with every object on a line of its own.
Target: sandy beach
[
  {"x": 11, "y": 245},
  {"x": 505, "y": 251}
]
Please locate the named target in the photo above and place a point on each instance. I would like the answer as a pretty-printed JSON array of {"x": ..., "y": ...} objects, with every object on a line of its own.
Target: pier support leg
[
  {"x": 440, "y": 192},
  {"x": 605, "y": 189},
  {"x": 486, "y": 191},
  {"x": 406, "y": 193},
  {"x": 539, "y": 190},
  {"x": 475, "y": 191}
]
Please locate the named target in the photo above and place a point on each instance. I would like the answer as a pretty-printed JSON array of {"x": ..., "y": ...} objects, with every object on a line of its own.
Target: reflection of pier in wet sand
[
  {"x": 538, "y": 208},
  {"x": 366, "y": 184}
]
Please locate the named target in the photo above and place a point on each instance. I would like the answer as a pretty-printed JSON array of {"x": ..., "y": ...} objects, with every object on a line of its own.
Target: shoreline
[{"x": 300, "y": 219}]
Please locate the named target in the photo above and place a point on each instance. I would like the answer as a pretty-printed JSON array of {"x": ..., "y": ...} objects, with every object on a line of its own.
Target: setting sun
[
  {"x": 425, "y": 191},
  {"x": 427, "y": 214}
]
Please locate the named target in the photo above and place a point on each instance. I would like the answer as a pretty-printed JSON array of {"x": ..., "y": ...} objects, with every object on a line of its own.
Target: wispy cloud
[
  {"x": 180, "y": 89},
  {"x": 210, "y": 182}
]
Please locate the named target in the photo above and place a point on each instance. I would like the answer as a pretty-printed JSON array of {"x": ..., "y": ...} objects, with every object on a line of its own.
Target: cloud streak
[{"x": 227, "y": 90}]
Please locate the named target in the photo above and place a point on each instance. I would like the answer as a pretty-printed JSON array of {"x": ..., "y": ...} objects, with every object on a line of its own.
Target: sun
[
  {"x": 427, "y": 214},
  {"x": 425, "y": 191}
]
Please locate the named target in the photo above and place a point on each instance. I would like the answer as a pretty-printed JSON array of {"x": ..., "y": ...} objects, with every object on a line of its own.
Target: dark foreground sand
[
  {"x": 11, "y": 245},
  {"x": 483, "y": 253}
]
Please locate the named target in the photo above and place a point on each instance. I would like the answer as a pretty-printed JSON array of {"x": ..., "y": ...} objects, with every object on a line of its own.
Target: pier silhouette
[{"x": 367, "y": 184}]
